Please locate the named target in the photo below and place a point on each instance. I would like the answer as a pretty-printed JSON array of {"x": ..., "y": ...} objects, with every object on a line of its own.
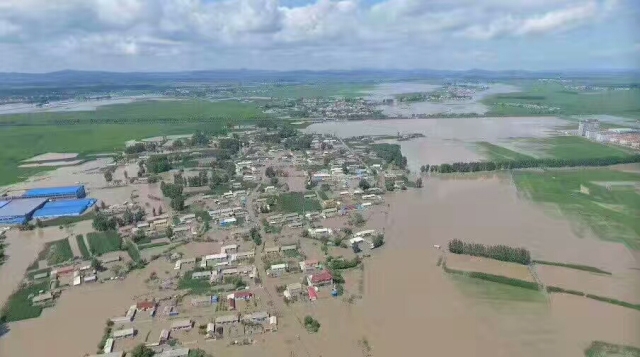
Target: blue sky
[{"x": 169, "y": 35}]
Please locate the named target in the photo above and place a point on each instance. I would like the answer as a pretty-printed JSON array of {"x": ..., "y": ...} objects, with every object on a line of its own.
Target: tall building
[{"x": 589, "y": 125}]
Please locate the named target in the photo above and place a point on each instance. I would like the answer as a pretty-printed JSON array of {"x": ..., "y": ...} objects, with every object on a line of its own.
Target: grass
[
  {"x": 33, "y": 273},
  {"x": 19, "y": 306},
  {"x": 65, "y": 221},
  {"x": 83, "y": 247},
  {"x": 294, "y": 202},
  {"x": 323, "y": 195},
  {"x": 556, "y": 289},
  {"x": 611, "y": 211},
  {"x": 494, "y": 278},
  {"x": 574, "y": 266},
  {"x": 107, "y": 129},
  {"x": 553, "y": 95},
  {"x": 604, "y": 349},
  {"x": 574, "y": 147},
  {"x": 195, "y": 286},
  {"x": 104, "y": 242},
  {"x": 152, "y": 245},
  {"x": 55, "y": 253},
  {"x": 614, "y": 301},
  {"x": 498, "y": 153},
  {"x": 134, "y": 253}
]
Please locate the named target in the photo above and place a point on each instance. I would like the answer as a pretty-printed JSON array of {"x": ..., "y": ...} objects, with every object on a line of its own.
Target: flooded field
[
  {"x": 489, "y": 266},
  {"x": 446, "y": 140}
]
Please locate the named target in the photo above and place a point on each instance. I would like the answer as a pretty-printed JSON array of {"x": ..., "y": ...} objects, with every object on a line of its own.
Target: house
[
  {"x": 124, "y": 333},
  {"x": 42, "y": 298},
  {"x": 227, "y": 319},
  {"x": 174, "y": 352},
  {"x": 202, "y": 300},
  {"x": 243, "y": 256},
  {"x": 330, "y": 212},
  {"x": 272, "y": 326},
  {"x": 181, "y": 231},
  {"x": 108, "y": 345},
  {"x": 241, "y": 295},
  {"x": 289, "y": 248},
  {"x": 181, "y": 325},
  {"x": 211, "y": 329},
  {"x": 187, "y": 218},
  {"x": 112, "y": 354},
  {"x": 229, "y": 249},
  {"x": 272, "y": 250},
  {"x": 313, "y": 294},
  {"x": 90, "y": 278},
  {"x": 146, "y": 305},
  {"x": 294, "y": 288},
  {"x": 201, "y": 275},
  {"x": 164, "y": 336},
  {"x": 228, "y": 222},
  {"x": 319, "y": 279},
  {"x": 309, "y": 265},
  {"x": 215, "y": 258},
  {"x": 256, "y": 317},
  {"x": 320, "y": 232},
  {"x": 278, "y": 269},
  {"x": 160, "y": 225}
]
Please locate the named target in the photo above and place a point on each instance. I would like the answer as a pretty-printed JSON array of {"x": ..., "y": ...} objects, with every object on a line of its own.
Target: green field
[
  {"x": 294, "y": 202},
  {"x": 104, "y": 242},
  {"x": 134, "y": 253},
  {"x": 498, "y": 153},
  {"x": 604, "y": 349},
  {"x": 574, "y": 147},
  {"x": 108, "y": 128},
  {"x": 54, "y": 253},
  {"x": 83, "y": 247},
  {"x": 552, "y": 95},
  {"x": 19, "y": 306},
  {"x": 610, "y": 209}
]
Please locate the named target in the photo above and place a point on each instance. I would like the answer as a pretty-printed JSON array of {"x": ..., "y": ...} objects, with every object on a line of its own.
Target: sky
[{"x": 176, "y": 35}]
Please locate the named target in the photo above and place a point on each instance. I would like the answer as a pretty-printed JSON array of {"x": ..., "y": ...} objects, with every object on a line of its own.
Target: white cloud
[{"x": 202, "y": 28}]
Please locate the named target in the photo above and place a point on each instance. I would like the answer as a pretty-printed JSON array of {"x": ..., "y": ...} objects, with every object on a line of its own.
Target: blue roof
[
  {"x": 65, "y": 208},
  {"x": 3, "y": 203},
  {"x": 53, "y": 191},
  {"x": 21, "y": 207}
]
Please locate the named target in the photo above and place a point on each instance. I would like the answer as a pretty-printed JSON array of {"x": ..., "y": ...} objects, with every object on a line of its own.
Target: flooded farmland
[{"x": 446, "y": 140}]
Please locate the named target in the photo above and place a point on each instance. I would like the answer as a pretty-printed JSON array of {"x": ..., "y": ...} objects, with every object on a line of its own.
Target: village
[{"x": 220, "y": 249}]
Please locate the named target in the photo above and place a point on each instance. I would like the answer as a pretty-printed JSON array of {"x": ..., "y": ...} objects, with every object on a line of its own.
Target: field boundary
[
  {"x": 494, "y": 278},
  {"x": 586, "y": 268}
]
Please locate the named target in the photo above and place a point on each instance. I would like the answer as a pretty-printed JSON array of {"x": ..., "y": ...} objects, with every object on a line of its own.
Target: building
[
  {"x": 322, "y": 278},
  {"x": 64, "y": 208},
  {"x": 146, "y": 305},
  {"x": 241, "y": 256},
  {"x": 164, "y": 336},
  {"x": 181, "y": 325},
  {"x": 108, "y": 345},
  {"x": 227, "y": 222},
  {"x": 588, "y": 125},
  {"x": 19, "y": 211},
  {"x": 272, "y": 250},
  {"x": 42, "y": 298},
  {"x": 294, "y": 288},
  {"x": 229, "y": 249},
  {"x": 124, "y": 333},
  {"x": 256, "y": 317},
  {"x": 56, "y": 192},
  {"x": 289, "y": 248},
  {"x": 241, "y": 295},
  {"x": 112, "y": 354},
  {"x": 278, "y": 269},
  {"x": 309, "y": 265},
  {"x": 174, "y": 352},
  {"x": 201, "y": 275},
  {"x": 227, "y": 319},
  {"x": 272, "y": 326},
  {"x": 320, "y": 232}
]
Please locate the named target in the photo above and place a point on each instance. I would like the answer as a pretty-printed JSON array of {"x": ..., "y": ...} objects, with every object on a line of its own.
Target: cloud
[{"x": 221, "y": 29}]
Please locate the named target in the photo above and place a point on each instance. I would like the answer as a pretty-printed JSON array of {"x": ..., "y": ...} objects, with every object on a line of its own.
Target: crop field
[
  {"x": 104, "y": 242},
  {"x": 83, "y": 247},
  {"x": 609, "y": 203},
  {"x": 19, "y": 306},
  {"x": 294, "y": 202},
  {"x": 107, "y": 129},
  {"x": 604, "y": 349},
  {"x": 498, "y": 153},
  {"x": 573, "y": 147},
  {"x": 540, "y": 98}
]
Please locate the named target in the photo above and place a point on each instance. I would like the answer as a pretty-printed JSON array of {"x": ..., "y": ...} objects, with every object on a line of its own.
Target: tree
[
  {"x": 116, "y": 269},
  {"x": 138, "y": 216},
  {"x": 311, "y": 324},
  {"x": 197, "y": 353},
  {"x": 159, "y": 210},
  {"x": 274, "y": 181},
  {"x": 270, "y": 172},
  {"x": 103, "y": 205},
  {"x": 419, "y": 182},
  {"x": 38, "y": 223},
  {"x": 142, "y": 351},
  {"x": 177, "y": 203},
  {"x": 108, "y": 176},
  {"x": 103, "y": 223},
  {"x": 378, "y": 241},
  {"x": 153, "y": 211},
  {"x": 158, "y": 163},
  {"x": 364, "y": 184},
  {"x": 345, "y": 168},
  {"x": 127, "y": 216},
  {"x": 126, "y": 175},
  {"x": 169, "y": 232},
  {"x": 255, "y": 236},
  {"x": 95, "y": 264}
]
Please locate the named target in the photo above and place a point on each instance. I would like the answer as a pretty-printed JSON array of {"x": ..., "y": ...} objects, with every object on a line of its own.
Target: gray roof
[
  {"x": 111, "y": 354},
  {"x": 21, "y": 206},
  {"x": 226, "y": 318},
  {"x": 177, "y": 352}
]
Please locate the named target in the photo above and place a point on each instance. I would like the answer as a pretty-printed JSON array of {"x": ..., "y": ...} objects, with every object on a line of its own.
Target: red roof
[
  {"x": 146, "y": 305},
  {"x": 242, "y": 295},
  {"x": 313, "y": 295},
  {"x": 321, "y": 277}
]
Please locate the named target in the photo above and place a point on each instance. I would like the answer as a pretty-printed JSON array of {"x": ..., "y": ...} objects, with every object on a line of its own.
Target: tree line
[
  {"x": 476, "y": 166},
  {"x": 390, "y": 153},
  {"x": 498, "y": 252}
]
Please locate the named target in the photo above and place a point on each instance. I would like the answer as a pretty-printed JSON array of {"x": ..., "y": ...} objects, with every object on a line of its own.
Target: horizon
[{"x": 126, "y": 36}]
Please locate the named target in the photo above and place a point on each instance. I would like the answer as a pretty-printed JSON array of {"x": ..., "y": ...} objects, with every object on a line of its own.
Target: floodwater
[
  {"x": 472, "y": 105},
  {"x": 446, "y": 140},
  {"x": 71, "y": 105}
]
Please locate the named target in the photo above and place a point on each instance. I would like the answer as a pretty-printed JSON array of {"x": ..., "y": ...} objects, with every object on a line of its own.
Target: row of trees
[
  {"x": 158, "y": 163},
  {"x": 476, "y": 166},
  {"x": 498, "y": 252}
]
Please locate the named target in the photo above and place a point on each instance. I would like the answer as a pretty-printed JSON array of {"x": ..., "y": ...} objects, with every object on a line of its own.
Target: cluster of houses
[{"x": 219, "y": 265}]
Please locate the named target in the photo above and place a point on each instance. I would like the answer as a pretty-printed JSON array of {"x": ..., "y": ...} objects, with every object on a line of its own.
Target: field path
[
  {"x": 543, "y": 288},
  {"x": 73, "y": 242},
  {"x": 86, "y": 243}
]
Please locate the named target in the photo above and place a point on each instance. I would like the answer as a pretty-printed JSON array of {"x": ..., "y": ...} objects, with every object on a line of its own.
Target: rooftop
[{"x": 21, "y": 206}]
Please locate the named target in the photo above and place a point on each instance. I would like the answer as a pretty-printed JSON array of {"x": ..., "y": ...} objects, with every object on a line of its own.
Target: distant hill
[{"x": 92, "y": 78}]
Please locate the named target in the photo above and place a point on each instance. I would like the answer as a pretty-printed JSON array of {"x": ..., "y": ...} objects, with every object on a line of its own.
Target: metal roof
[
  {"x": 53, "y": 191},
  {"x": 21, "y": 207}
]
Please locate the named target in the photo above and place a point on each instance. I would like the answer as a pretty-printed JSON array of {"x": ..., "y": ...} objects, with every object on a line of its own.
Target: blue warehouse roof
[
  {"x": 77, "y": 191},
  {"x": 21, "y": 207}
]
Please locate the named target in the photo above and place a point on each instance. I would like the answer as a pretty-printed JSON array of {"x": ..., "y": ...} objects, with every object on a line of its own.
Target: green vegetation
[
  {"x": 556, "y": 289},
  {"x": 195, "y": 286},
  {"x": 255, "y": 236},
  {"x": 604, "y": 349},
  {"x": 65, "y": 221},
  {"x": 134, "y": 253},
  {"x": 311, "y": 324},
  {"x": 33, "y": 273},
  {"x": 614, "y": 301},
  {"x": 294, "y": 202},
  {"x": 494, "y": 278},
  {"x": 574, "y": 266},
  {"x": 108, "y": 128},
  {"x": 104, "y": 242},
  {"x": 555, "y": 99},
  {"x": 142, "y": 351},
  {"x": 499, "y": 153},
  {"x": 58, "y": 252},
  {"x": 576, "y": 148},
  {"x": 19, "y": 306},
  {"x": 152, "y": 245},
  {"x": 83, "y": 247},
  {"x": 606, "y": 201},
  {"x": 498, "y": 252},
  {"x": 390, "y": 153},
  {"x": 341, "y": 263},
  {"x": 378, "y": 241}
]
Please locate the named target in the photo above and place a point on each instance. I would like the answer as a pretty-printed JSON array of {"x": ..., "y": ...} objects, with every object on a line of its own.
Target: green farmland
[
  {"x": 108, "y": 128},
  {"x": 19, "y": 306},
  {"x": 609, "y": 204},
  {"x": 574, "y": 147},
  {"x": 294, "y": 202},
  {"x": 498, "y": 153},
  {"x": 540, "y": 98},
  {"x": 104, "y": 242}
]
